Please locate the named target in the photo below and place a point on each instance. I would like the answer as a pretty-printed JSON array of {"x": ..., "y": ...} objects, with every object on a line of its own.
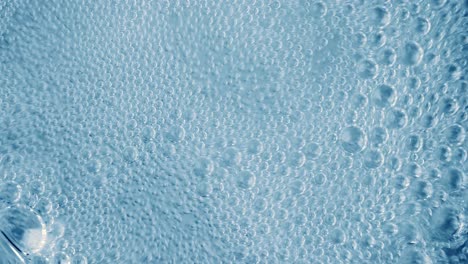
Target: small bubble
[
  {"x": 176, "y": 134},
  {"x": 412, "y": 54},
  {"x": 231, "y": 157},
  {"x": 423, "y": 189},
  {"x": 373, "y": 159},
  {"x": 378, "y": 40},
  {"x": 312, "y": 150},
  {"x": 319, "y": 179},
  {"x": 396, "y": 118},
  {"x": 245, "y": 180},
  {"x": 337, "y": 236},
  {"x": 94, "y": 166},
  {"x": 204, "y": 189},
  {"x": 10, "y": 192},
  {"x": 455, "y": 134},
  {"x": 380, "y": 16},
  {"x": 318, "y": 9},
  {"x": 255, "y": 147},
  {"x": 422, "y": 25},
  {"x": 454, "y": 178},
  {"x": 130, "y": 154},
  {"x": 428, "y": 120},
  {"x": 402, "y": 182},
  {"x": 203, "y": 167},
  {"x": 359, "y": 100},
  {"x": 384, "y": 96},
  {"x": 148, "y": 133},
  {"x": 414, "y": 143},
  {"x": 296, "y": 159},
  {"x": 260, "y": 204},
  {"x": 353, "y": 139},
  {"x": 449, "y": 106},
  {"x": 387, "y": 56},
  {"x": 378, "y": 136},
  {"x": 367, "y": 69},
  {"x": 413, "y": 170}
]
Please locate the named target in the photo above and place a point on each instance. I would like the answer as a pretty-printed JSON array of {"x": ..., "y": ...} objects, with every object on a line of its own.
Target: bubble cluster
[{"x": 233, "y": 131}]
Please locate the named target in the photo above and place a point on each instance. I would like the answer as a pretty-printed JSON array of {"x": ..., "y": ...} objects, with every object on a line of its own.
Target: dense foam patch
[{"x": 276, "y": 131}]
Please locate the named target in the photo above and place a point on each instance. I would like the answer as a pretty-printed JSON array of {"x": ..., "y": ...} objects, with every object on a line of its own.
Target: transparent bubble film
[{"x": 240, "y": 131}]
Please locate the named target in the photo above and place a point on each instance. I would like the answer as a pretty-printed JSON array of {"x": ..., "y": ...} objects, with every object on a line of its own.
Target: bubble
[
  {"x": 423, "y": 189},
  {"x": 10, "y": 192},
  {"x": 231, "y": 157},
  {"x": 255, "y": 147},
  {"x": 378, "y": 40},
  {"x": 337, "y": 236},
  {"x": 296, "y": 159},
  {"x": 203, "y": 167},
  {"x": 176, "y": 134},
  {"x": 402, "y": 182},
  {"x": 298, "y": 187},
  {"x": 359, "y": 100},
  {"x": 428, "y": 120},
  {"x": 373, "y": 159},
  {"x": 130, "y": 154},
  {"x": 413, "y": 170},
  {"x": 23, "y": 228},
  {"x": 384, "y": 96},
  {"x": 411, "y": 54},
  {"x": 148, "y": 133},
  {"x": 459, "y": 155},
  {"x": 396, "y": 118},
  {"x": 422, "y": 25},
  {"x": 454, "y": 72},
  {"x": 454, "y": 178},
  {"x": 353, "y": 139},
  {"x": 455, "y": 134},
  {"x": 446, "y": 222},
  {"x": 246, "y": 180},
  {"x": 387, "y": 56},
  {"x": 390, "y": 229},
  {"x": 414, "y": 143},
  {"x": 378, "y": 136},
  {"x": 380, "y": 16},
  {"x": 204, "y": 189},
  {"x": 260, "y": 205},
  {"x": 444, "y": 153},
  {"x": 359, "y": 39},
  {"x": 312, "y": 150},
  {"x": 319, "y": 179},
  {"x": 367, "y": 69},
  {"x": 318, "y": 9},
  {"x": 94, "y": 166},
  {"x": 449, "y": 106}
]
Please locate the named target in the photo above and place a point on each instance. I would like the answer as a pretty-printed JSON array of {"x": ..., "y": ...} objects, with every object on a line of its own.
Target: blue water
[{"x": 197, "y": 131}]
